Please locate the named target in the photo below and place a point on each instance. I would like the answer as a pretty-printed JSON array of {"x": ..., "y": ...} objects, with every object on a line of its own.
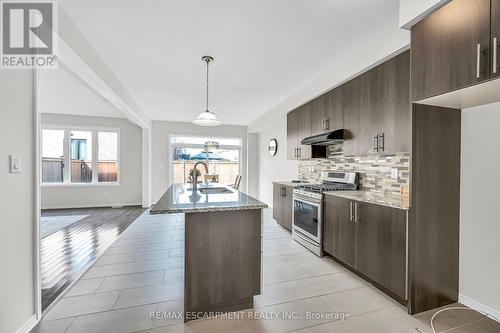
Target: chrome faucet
[{"x": 195, "y": 176}]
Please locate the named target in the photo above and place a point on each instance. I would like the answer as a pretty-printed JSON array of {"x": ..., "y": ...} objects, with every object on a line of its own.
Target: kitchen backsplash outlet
[{"x": 374, "y": 170}]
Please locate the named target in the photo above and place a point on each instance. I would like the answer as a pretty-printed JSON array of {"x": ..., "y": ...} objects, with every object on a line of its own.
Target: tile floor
[{"x": 142, "y": 273}]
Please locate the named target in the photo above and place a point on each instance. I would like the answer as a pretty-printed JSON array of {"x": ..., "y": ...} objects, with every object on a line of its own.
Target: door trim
[{"x": 37, "y": 192}]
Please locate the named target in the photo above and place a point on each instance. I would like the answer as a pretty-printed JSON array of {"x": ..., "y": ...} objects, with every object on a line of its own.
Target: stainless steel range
[{"x": 307, "y": 214}]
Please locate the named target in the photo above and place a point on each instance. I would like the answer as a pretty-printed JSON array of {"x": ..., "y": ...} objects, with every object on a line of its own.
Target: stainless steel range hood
[{"x": 325, "y": 139}]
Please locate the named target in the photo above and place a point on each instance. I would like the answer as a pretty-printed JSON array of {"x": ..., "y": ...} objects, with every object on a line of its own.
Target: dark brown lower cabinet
[
  {"x": 369, "y": 238},
  {"x": 338, "y": 233},
  {"x": 381, "y": 246},
  {"x": 282, "y": 205}
]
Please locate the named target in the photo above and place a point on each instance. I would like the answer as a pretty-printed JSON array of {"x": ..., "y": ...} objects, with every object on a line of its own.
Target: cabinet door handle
[
  {"x": 375, "y": 143},
  {"x": 327, "y": 124},
  {"x": 381, "y": 142},
  {"x": 351, "y": 214},
  {"x": 296, "y": 152},
  {"x": 478, "y": 63},
  {"x": 299, "y": 152},
  {"x": 495, "y": 51},
  {"x": 356, "y": 212}
]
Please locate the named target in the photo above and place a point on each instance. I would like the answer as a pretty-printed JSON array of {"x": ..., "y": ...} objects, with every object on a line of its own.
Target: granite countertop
[
  {"x": 179, "y": 198},
  {"x": 375, "y": 198}
]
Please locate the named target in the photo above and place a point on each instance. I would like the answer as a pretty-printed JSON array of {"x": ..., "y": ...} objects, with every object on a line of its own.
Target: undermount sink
[{"x": 214, "y": 190}]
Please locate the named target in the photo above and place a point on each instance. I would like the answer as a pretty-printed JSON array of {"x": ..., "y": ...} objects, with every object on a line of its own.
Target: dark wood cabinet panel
[
  {"x": 360, "y": 113},
  {"x": 444, "y": 48},
  {"x": 277, "y": 202},
  {"x": 291, "y": 135},
  {"x": 495, "y": 38},
  {"x": 335, "y": 109},
  {"x": 338, "y": 233},
  {"x": 287, "y": 208},
  {"x": 318, "y": 114},
  {"x": 298, "y": 127},
  {"x": 216, "y": 243},
  {"x": 282, "y": 205},
  {"x": 304, "y": 130},
  {"x": 394, "y": 109},
  {"x": 435, "y": 208},
  {"x": 381, "y": 246}
]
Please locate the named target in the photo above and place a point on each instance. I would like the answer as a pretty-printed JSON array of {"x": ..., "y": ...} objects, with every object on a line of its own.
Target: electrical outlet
[{"x": 394, "y": 173}]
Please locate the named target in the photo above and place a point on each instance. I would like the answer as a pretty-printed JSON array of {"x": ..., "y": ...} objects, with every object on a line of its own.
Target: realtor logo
[{"x": 28, "y": 34}]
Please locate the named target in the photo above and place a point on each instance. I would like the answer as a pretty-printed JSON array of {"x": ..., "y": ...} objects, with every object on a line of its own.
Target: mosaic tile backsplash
[{"x": 374, "y": 170}]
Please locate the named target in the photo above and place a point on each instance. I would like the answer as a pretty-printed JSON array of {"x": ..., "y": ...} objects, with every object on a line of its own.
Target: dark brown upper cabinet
[
  {"x": 318, "y": 114},
  {"x": 360, "y": 113},
  {"x": 495, "y": 38},
  {"x": 327, "y": 112},
  {"x": 377, "y": 109},
  {"x": 451, "y": 49},
  {"x": 393, "y": 104},
  {"x": 335, "y": 109},
  {"x": 298, "y": 127},
  {"x": 373, "y": 108},
  {"x": 304, "y": 130},
  {"x": 292, "y": 134}
]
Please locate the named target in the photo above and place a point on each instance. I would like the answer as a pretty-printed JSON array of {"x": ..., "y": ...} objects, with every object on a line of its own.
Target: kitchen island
[{"x": 222, "y": 243}]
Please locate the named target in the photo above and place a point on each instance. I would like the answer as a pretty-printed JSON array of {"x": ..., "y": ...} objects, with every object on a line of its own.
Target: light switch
[
  {"x": 394, "y": 173},
  {"x": 15, "y": 163}
]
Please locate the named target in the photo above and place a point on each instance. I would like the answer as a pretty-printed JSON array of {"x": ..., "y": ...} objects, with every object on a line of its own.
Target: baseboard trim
[
  {"x": 28, "y": 326},
  {"x": 494, "y": 314},
  {"x": 92, "y": 206}
]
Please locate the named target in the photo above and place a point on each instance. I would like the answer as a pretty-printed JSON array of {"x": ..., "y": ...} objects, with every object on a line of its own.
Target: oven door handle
[{"x": 308, "y": 201}]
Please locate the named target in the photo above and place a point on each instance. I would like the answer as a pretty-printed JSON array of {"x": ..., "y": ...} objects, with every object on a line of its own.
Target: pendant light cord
[{"x": 208, "y": 61}]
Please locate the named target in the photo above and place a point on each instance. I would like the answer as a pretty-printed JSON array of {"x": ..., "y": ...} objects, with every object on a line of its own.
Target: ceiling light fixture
[
  {"x": 207, "y": 118},
  {"x": 211, "y": 145}
]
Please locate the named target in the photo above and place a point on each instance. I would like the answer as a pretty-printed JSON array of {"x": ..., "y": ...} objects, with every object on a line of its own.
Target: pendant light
[{"x": 207, "y": 118}]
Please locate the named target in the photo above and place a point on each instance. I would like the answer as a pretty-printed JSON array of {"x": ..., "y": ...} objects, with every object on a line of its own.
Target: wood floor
[
  {"x": 137, "y": 286},
  {"x": 67, "y": 253}
]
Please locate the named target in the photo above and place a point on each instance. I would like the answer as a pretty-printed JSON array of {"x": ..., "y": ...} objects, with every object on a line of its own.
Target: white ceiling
[
  {"x": 265, "y": 50},
  {"x": 63, "y": 93}
]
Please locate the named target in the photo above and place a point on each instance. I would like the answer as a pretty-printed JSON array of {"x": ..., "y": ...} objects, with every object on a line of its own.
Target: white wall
[
  {"x": 162, "y": 156},
  {"x": 273, "y": 168},
  {"x": 253, "y": 164},
  {"x": 413, "y": 11},
  {"x": 17, "y": 218},
  {"x": 479, "y": 209},
  {"x": 128, "y": 192}
]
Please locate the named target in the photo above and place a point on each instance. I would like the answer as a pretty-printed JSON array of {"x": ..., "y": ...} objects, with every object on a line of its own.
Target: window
[
  {"x": 223, "y": 162},
  {"x": 108, "y": 156},
  {"x": 52, "y": 156},
  {"x": 81, "y": 156},
  {"x": 90, "y": 154}
]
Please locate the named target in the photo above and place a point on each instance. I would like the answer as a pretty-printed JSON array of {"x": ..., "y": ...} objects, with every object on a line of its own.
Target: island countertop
[{"x": 179, "y": 198}]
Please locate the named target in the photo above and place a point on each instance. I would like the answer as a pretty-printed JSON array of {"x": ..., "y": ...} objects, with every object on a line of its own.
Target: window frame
[
  {"x": 172, "y": 146},
  {"x": 95, "y": 155}
]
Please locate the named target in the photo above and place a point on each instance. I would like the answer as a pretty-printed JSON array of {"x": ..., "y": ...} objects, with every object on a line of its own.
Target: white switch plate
[
  {"x": 15, "y": 163},
  {"x": 394, "y": 173}
]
